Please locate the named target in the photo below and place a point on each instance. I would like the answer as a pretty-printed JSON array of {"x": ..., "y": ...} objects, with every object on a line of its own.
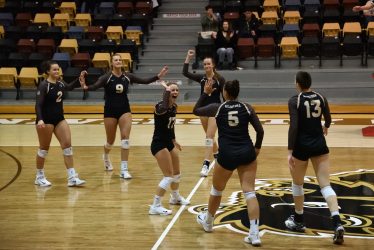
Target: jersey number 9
[{"x": 119, "y": 88}]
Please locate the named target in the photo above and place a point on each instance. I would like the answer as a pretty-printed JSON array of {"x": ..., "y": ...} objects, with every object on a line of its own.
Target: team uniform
[
  {"x": 164, "y": 117},
  {"x": 232, "y": 117},
  {"x": 305, "y": 135},
  {"x": 116, "y": 90},
  {"x": 202, "y": 79},
  {"x": 49, "y": 101}
]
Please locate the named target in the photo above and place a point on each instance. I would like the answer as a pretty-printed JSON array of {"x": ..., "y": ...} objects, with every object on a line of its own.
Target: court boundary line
[{"x": 179, "y": 212}]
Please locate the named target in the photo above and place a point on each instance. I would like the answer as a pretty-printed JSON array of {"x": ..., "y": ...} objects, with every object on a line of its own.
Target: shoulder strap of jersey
[{"x": 219, "y": 108}]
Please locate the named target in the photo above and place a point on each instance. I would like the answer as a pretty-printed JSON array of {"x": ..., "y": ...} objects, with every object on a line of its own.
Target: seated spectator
[
  {"x": 249, "y": 24},
  {"x": 367, "y": 9},
  {"x": 225, "y": 41},
  {"x": 210, "y": 21}
]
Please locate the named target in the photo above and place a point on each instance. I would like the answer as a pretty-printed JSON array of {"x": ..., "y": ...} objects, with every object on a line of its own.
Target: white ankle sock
[
  {"x": 40, "y": 172},
  {"x": 157, "y": 200},
  {"x": 71, "y": 172},
  {"x": 124, "y": 166},
  {"x": 253, "y": 226}
]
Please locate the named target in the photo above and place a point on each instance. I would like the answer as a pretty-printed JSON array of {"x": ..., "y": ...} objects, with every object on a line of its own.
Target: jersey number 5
[
  {"x": 316, "y": 108},
  {"x": 233, "y": 118}
]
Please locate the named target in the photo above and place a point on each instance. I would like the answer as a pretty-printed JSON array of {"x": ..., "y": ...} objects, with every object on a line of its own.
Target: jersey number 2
[
  {"x": 59, "y": 96},
  {"x": 233, "y": 118},
  {"x": 317, "y": 108}
]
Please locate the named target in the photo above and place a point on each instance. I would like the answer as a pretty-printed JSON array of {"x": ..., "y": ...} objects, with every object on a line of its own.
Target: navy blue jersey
[{"x": 306, "y": 110}]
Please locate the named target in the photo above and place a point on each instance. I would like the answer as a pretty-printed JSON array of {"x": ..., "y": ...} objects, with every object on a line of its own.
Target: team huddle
[{"x": 219, "y": 109}]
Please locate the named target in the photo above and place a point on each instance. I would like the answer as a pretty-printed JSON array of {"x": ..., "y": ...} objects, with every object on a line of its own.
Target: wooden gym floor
[{"x": 111, "y": 213}]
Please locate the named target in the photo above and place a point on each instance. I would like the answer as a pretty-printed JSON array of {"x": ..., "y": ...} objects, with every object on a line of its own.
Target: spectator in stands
[
  {"x": 208, "y": 123},
  {"x": 248, "y": 25},
  {"x": 164, "y": 148},
  {"x": 368, "y": 10},
  {"x": 117, "y": 110},
  {"x": 50, "y": 120},
  {"x": 209, "y": 22},
  {"x": 225, "y": 42}
]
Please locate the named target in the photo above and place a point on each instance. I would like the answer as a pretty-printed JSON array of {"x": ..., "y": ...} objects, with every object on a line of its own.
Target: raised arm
[
  {"x": 138, "y": 80},
  {"x": 186, "y": 73},
  {"x": 163, "y": 106},
  {"x": 206, "y": 110},
  {"x": 98, "y": 84}
]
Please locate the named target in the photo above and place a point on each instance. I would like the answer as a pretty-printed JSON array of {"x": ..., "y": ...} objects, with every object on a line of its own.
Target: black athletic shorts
[
  {"x": 304, "y": 153},
  {"x": 54, "y": 120},
  {"x": 116, "y": 112},
  {"x": 158, "y": 145},
  {"x": 231, "y": 159}
]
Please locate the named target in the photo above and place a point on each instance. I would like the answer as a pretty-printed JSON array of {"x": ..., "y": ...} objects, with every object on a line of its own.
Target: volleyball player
[
  {"x": 165, "y": 149},
  {"x": 208, "y": 123},
  {"x": 306, "y": 140},
  {"x": 50, "y": 120},
  {"x": 117, "y": 110},
  {"x": 236, "y": 151}
]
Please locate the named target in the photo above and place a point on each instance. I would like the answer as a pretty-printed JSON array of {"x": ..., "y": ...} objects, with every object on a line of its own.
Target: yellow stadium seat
[
  {"x": 289, "y": 47},
  {"x": 42, "y": 18},
  {"x": 69, "y": 8},
  {"x": 126, "y": 60},
  {"x": 69, "y": 46},
  {"x": 114, "y": 33},
  {"x": 101, "y": 60},
  {"x": 83, "y": 19},
  {"x": 61, "y": 20}
]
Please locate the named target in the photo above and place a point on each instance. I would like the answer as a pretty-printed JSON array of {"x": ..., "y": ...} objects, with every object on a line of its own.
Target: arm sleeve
[
  {"x": 99, "y": 83},
  {"x": 255, "y": 122},
  {"x": 292, "y": 131},
  {"x": 189, "y": 75},
  {"x": 71, "y": 85},
  {"x": 327, "y": 114},
  {"x": 135, "y": 79},
  {"x": 208, "y": 110},
  {"x": 164, "y": 105},
  {"x": 40, "y": 97}
]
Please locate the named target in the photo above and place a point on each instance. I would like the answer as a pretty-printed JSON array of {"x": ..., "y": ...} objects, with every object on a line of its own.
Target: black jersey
[
  {"x": 49, "y": 99},
  {"x": 164, "y": 117},
  {"x": 232, "y": 120},
  {"x": 116, "y": 88},
  {"x": 219, "y": 81},
  {"x": 306, "y": 110}
]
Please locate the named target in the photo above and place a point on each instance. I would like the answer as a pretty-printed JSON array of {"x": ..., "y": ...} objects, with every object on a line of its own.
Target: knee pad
[
  {"x": 176, "y": 178},
  {"x": 68, "y": 151},
  {"x": 215, "y": 192},
  {"x": 42, "y": 153},
  {"x": 327, "y": 192},
  {"x": 108, "y": 146},
  {"x": 249, "y": 195},
  {"x": 165, "y": 182},
  {"x": 297, "y": 190},
  {"x": 209, "y": 142},
  {"x": 125, "y": 144}
]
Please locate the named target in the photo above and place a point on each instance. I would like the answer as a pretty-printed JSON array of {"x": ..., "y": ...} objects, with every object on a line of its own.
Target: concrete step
[
  {"x": 173, "y": 69},
  {"x": 165, "y": 55},
  {"x": 176, "y": 21},
  {"x": 167, "y": 48},
  {"x": 176, "y": 28},
  {"x": 162, "y": 40},
  {"x": 181, "y": 33}
]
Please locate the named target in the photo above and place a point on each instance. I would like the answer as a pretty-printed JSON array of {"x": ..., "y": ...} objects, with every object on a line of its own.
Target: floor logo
[{"x": 355, "y": 191}]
